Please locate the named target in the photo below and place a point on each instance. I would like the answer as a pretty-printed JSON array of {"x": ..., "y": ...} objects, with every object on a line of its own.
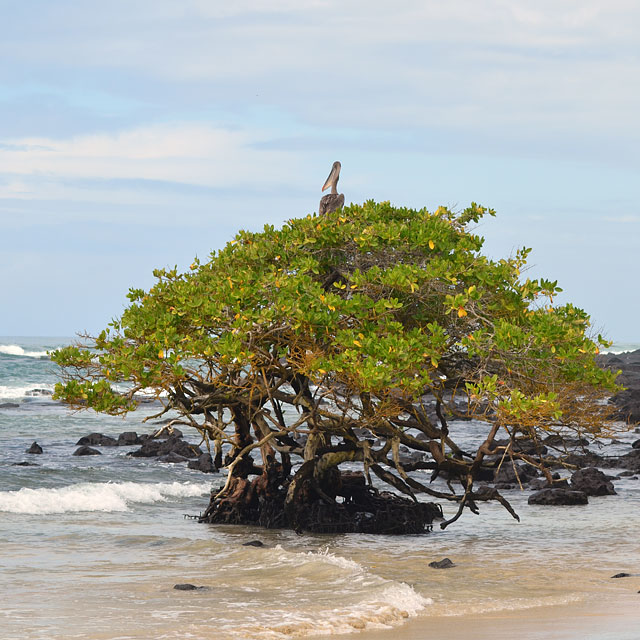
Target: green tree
[{"x": 340, "y": 342}]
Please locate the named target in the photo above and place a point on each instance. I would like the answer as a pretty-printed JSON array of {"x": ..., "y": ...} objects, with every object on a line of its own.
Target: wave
[
  {"x": 25, "y": 391},
  {"x": 95, "y": 496},
  {"x": 322, "y": 580},
  {"x": 15, "y": 350}
]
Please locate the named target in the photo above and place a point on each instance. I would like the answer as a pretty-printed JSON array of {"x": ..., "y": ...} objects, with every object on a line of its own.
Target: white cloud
[{"x": 187, "y": 153}]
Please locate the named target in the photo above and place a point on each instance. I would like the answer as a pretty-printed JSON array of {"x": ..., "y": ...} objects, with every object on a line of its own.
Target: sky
[{"x": 139, "y": 134}]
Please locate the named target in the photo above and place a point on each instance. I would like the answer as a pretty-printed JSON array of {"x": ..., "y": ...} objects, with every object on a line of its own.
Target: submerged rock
[
  {"x": 558, "y": 497},
  {"x": 172, "y": 458},
  {"x": 152, "y": 448},
  {"x": 445, "y": 563},
  {"x": 25, "y": 464},
  {"x": 86, "y": 451},
  {"x": 189, "y": 587},
  {"x": 129, "y": 438},
  {"x": 97, "y": 439},
  {"x": 204, "y": 463},
  {"x": 253, "y": 543},
  {"x": 35, "y": 448},
  {"x": 9, "y": 405},
  {"x": 593, "y": 482}
]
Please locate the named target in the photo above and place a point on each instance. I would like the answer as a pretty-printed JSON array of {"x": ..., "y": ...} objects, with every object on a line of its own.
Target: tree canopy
[{"x": 339, "y": 341}]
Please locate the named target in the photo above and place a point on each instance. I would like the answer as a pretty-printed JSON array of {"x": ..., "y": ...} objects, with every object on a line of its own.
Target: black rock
[
  {"x": 151, "y": 448},
  {"x": 636, "y": 444},
  {"x": 172, "y": 457},
  {"x": 593, "y": 482},
  {"x": 541, "y": 483},
  {"x": 25, "y": 464},
  {"x": 128, "y": 438},
  {"x": 558, "y": 497},
  {"x": 621, "y": 575},
  {"x": 189, "y": 587},
  {"x": 253, "y": 543},
  {"x": 39, "y": 392},
  {"x": 97, "y": 439},
  {"x": 9, "y": 405},
  {"x": 204, "y": 463},
  {"x": 507, "y": 473},
  {"x": 175, "y": 433},
  {"x": 35, "y": 448},
  {"x": 445, "y": 563},
  {"x": 86, "y": 451}
]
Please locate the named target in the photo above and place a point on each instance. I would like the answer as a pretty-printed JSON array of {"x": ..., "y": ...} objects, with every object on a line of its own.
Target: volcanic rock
[
  {"x": 593, "y": 482},
  {"x": 445, "y": 563},
  {"x": 35, "y": 448},
  {"x": 97, "y": 439},
  {"x": 204, "y": 463},
  {"x": 86, "y": 451},
  {"x": 558, "y": 497}
]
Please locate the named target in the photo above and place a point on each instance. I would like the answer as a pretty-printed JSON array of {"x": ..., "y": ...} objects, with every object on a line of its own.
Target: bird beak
[{"x": 333, "y": 176}]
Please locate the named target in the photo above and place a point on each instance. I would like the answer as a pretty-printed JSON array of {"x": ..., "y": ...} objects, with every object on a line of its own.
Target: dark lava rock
[
  {"x": 593, "y": 482},
  {"x": 128, "y": 438},
  {"x": 445, "y": 563},
  {"x": 9, "y": 405},
  {"x": 25, "y": 464},
  {"x": 86, "y": 451},
  {"x": 97, "y": 439},
  {"x": 34, "y": 448},
  {"x": 151, "y": 448},
  {"x": 630, "y": 460},
  {"x": 558, "y": 497},
  {"x": 39, "y": 392},
  {"x": 204, "y": 463},
  {"x": 172, "y": 457},
  {"x": 189, "y": 587},
  {"x": 175, "y": 433},
  {"x": 541, "y": 483},
  {"x": 521, "y": 446},
  {"x": 625, "y": 474},
  {"x": 636, "y": 444},
  {"x": 622, "y": 575},
  {"x": 253, "y": 543},
  {"x": 559, "y": 442},
  {"x": 507, "y": 473}
]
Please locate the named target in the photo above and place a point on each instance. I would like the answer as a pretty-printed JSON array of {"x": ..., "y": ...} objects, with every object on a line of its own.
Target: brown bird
[{"x": 333, "y": 200}]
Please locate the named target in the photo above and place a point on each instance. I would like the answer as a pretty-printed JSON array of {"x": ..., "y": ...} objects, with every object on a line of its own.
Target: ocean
[{"x": 91, "y": 547}]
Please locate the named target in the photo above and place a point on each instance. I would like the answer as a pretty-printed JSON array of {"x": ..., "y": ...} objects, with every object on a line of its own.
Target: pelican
[{"x": 333, "y": 200}]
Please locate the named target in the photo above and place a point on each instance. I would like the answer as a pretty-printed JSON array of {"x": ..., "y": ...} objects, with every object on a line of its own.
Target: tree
[{"x": 342, "y": 341}]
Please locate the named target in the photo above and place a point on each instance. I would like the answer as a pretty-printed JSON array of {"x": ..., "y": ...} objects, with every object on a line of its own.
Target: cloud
[{"x": 187, "y": 153}]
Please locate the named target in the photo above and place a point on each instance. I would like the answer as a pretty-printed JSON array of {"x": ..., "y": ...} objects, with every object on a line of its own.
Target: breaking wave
[
  {"x": 95, "y": 496},
  {"x": 15, "y": 350},
  {"x": 336, "y": 595}
]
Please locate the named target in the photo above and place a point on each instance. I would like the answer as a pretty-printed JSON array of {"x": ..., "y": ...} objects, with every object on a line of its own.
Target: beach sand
[{"x": 606, "y": 619}]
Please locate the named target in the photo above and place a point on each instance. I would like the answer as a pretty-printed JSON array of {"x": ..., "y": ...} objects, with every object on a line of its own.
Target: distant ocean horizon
[{"x": 92, "y": 546}]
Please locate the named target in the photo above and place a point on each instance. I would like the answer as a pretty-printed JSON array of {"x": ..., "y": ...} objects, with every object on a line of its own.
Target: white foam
[
  {"x": 95, "y": 496},
  {"x": 22, "y": 391},
  {"x": 15, "y": 350}
]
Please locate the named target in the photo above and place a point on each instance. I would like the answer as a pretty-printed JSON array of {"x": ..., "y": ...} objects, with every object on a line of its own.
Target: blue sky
[{"x": 140, "y": 134}]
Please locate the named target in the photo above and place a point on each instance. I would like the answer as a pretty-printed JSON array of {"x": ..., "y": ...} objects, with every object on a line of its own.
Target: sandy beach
[{"x": 609, "y": 619}]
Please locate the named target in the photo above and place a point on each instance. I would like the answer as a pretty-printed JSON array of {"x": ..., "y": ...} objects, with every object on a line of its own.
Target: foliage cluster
[{"x": 340, "y": 338}]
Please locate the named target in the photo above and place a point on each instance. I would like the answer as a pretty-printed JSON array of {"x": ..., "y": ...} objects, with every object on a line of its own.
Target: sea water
[{"x": 91, "y": 547}]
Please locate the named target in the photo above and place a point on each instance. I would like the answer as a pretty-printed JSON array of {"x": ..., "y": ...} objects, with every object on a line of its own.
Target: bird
[{"x": 333, "y": 200}]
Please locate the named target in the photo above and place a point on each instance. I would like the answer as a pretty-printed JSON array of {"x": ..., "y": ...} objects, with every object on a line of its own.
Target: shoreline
[{"x": 609, "y": 618}]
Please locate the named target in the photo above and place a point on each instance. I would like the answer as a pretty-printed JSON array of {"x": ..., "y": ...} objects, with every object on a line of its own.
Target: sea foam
[
  {"x": 15, "y": 350},
  {"x": 95, "y": 496},
  {"x": 23, "y": 391}
]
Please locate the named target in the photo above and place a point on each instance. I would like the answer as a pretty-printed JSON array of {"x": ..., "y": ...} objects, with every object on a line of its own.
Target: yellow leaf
[
  {"x": 161, "y": 354},
  {"x": 357, "y": 343},
  {"x": 432, "y": 244},
  {"x": 434, "y": 362},
  {"x": 461, "y": 312}
]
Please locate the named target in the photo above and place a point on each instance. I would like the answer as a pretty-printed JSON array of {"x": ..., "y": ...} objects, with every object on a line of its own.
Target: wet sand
[{"x": 606, "y": 619}]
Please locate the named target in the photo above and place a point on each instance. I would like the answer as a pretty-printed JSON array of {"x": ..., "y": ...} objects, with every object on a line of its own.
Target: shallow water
[{"x": 91, "y": 547}]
